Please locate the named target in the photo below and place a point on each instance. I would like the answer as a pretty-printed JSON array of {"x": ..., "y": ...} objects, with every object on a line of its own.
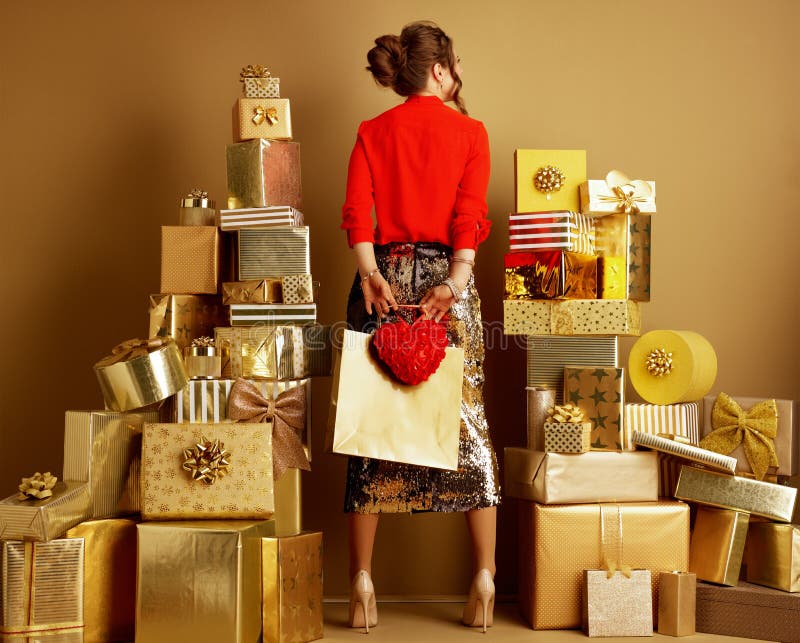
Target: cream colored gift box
[
  {"x": 571, "y": 317},
  {"x": 269, "y": 118}
]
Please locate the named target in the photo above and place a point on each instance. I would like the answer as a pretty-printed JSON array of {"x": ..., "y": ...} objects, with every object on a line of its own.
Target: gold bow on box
[
  {"x": 288, "y": 416},
  {"x": 755, "y": 429},
  {"x": 207, "y": 461},
  {"x": 566, "y": 413},
  {"x": 269, "y": 114},
  {"x": 37, "y": 487},
  {"x": 131, "y": 349},
  {"x": 625, "y": 193},
  {"x": 254, "y": 71}
]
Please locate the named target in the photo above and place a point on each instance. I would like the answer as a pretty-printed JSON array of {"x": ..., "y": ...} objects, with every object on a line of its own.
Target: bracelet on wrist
[
  {"x": 371, "y": 273},
  {"x": 469, "y": 262},
  {"x": 458, "y": 293}
]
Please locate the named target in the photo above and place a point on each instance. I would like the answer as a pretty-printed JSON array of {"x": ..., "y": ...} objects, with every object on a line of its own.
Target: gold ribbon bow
[
  {"x": 204, "y": 342},
  {"x": 197, "y": 193},
  {"x": 566, "y": 413},
  {"x": 269, "y": 114},
  {"x": 611, "y": 537},
  {"x": 207, "y": 461},
  {"x": 38, "y": 487},
  {"x": 132, "y": 348},
  {"x": 755, "y": 428},
  {"x": 625, "y": 193},
  {"x": 254, "y": 71},
  {"x": 288, "y": 416}
]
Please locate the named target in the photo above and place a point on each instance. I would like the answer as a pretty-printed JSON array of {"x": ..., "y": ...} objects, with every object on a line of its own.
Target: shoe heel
[
  {"x": 485, "y": 597},
  {"x": 364, "y": 599}
]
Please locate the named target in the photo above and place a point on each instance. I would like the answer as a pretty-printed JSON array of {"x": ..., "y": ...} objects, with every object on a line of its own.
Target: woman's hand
[
  {"x": 437, "y": 302},
  {"x": 378, "y": 295}
]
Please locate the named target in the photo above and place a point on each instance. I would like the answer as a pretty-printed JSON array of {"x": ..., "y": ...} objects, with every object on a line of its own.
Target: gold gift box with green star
[
  {"x": 622, "y": 242},
  {"x": 600, "y": 393}
]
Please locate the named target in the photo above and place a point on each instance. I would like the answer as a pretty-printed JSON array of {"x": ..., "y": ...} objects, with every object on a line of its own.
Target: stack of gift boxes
[
  {"x": 204, "y": 434},
  {"x": 601, "y": 484}
]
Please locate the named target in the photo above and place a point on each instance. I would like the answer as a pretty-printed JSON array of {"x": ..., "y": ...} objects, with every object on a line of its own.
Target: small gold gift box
[
  {"x": 253, "y": 291},
  {"x": 185, "y": 317},
  {"x": 567, "y": 437},
  {"x": 717, "y": 546},
  {"x": 617, "y": 604},
  {"x": 297, "y": 289},
  {"x": 548, "y": 179},
  {"x": 772, "y": 556},
  {"x": 269, "y": 118},
  {"x": 676, "y": 603},
  {"x": 42, "y": 520},
  {"x": 623, "y": 256},
  {"x": 190, "y": 260},
  {"x": 600, "y": 393},
  {"x": 258, "y": 82}
]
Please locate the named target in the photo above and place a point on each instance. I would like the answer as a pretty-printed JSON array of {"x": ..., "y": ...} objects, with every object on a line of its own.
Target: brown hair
[{"x": 402, "y": 62}]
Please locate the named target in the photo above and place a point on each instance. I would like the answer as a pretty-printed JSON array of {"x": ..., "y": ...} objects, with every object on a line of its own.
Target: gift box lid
[{"x": 747, "y": 594}]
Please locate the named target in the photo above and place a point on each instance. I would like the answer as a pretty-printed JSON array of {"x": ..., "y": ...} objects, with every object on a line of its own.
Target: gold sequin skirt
[{"x": 380, "y": 486}]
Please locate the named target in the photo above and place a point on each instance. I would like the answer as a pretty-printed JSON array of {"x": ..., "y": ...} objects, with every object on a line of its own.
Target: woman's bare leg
[
  {"x": 482, "y": 524},
  {"x": 361, "y": 529}
]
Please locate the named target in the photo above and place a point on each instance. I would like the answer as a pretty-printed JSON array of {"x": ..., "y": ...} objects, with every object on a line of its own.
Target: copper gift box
[{"x": 263, "y": 173}]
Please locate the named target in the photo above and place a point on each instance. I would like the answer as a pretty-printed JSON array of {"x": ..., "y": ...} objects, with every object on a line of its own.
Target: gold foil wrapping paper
[
  {"x": 689, "y": 452},
  {"x": 42, "y": 587},
  {"x": 273, "y": 252},
  {"x": 550, "y": 274},
  {"x": 263, "y": 173},
  {"x": 109, "y": 587},
  {"x": 617, "y": 605},
  {"x": 600, "y": 392},
  {"x": 273, "y": 314},
  {"x": 99, "y": 448},
  {"x": 43, "y": 520},
  {"x": 288, "y": 516},
  {"x": 717, "y": 545},
  {"x": 571, "y": 317},
  {"x": 169, "y": 493},
  {"x": 269, "y": 118},
  {"x": 772, "y": 556},
  {"x": 676, "y": 603},
  {"x": 373, "y": 416},
  {"x": 772, "y": 501},
  {"x": 264, "y": 217},
  {"x": 274, "y": 352},
  {"x": 786, "y": 440},
  {"x": 190, "y": 260},
  {"x": 539, "y": 402},
  {"x": 292, "y": 588},
  {"x": 185, "y": 317},
  {"x": 252, "y": 291},
  {"x": 671, "y": 419},
  {"x": 559, "y": 542},
  {"x": 572, "y": 163},
  {"x": 140, "y": 381},
  {"x": 567, "y": 437},
  {"x": 623, "y": 256},
  {"x": 200, "y": 579},
  {"x": 567, "y": 478},
  {"x": 598, "y": 199}
]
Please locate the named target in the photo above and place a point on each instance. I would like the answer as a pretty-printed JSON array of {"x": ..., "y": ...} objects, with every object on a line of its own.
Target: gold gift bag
[{"x": 372, "y": 415}]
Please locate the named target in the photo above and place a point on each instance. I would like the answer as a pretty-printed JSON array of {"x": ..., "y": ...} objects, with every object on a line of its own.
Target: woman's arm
[{"x": 377, "y": 292}]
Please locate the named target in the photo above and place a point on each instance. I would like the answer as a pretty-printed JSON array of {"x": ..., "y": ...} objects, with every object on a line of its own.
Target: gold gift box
[
  {"x": 43, "y": 520},
  {"x": 772, "y": 556},
  {"x": 550, "y": 274},
  {"x": 185, "y": 317},
  {"x": 252, "y": 291},
  {"x": 617, "y": 605},
  {"x": 786, "y": 440},
  {"x": 772, "y": 501},
  {"x": 272, "y": 252},
  {"x": 623, "y": 256},
  {"x": 274, "y": 352},
  {"x": 676, "y": 603},
  {"x": 297, "y": 289},
  {"x": 99, "y": 447},
  {"x": 568, "y": 478},
  {"x": 559, "y": 542},
  {"x": 263, "y": 173},
  {"x": 41, "y": 587},
  {"x": 599, "y": 200},
  {"x": 200, "y": 578},
  {"x": 272, "y": 314},
  {"x": 717, "y": 546},
  {"x": 190, "y": 260},
  {"x": 170, "y": 493},
  {"x": 571, "y": 317},
  {"x": 600, "y": 393},
  {"x": 292, "y": 588},
  {"x": 567, "y": 437},
  {"x": 109, "y": 578},
  {"x": 572, "y": 164},
  {"x": 288, "y": 516},
  {"x": 670, "y": 419},
  {"x": 268, "y": 118},
  {"x": 262, "y": 87}
]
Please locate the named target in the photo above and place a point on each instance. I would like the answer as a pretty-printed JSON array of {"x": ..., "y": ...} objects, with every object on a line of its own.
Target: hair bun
[{"x": 386, "y": 59}]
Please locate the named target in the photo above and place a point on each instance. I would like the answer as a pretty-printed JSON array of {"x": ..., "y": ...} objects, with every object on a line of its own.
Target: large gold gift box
[
  {"x": 291, "y": 570},
  {"x": 676, "y": 603},
  {"x": 764, "y": 499},
  {"x": 772, "y": 556},
  {"x": 717, "y": 546},
  {"x": 200, "y": 579},
  {"x": 528, "y": 163},
  {"x": 185, "y": 317},
  {"x": 190, "y": 260},
  {"x": 41, "y": 587},
  {"x": 558, "y": 542},
  {"x": 42, "y": 520},
  {"x": 263, "y": 173},
  {"x": 99, "y": 448},
  {"x": 109, "y": 578},
  {"x": 269, "y": 118},
  {"x": 571, "y": 317},
  {"x": 617, "y": 604},
  {"x": 600, "y": 393},
  {"x": 550, "y": 274},
  {"x": 174, "y": 486},
  {"x": 623, "y": 256},
  {"x": 577, "y": 478}
]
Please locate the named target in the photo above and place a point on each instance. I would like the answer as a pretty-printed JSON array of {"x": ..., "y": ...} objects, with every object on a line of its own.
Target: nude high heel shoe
[
  {"x": 479, "y": 610},
  {"x": 363, "y": 607}
]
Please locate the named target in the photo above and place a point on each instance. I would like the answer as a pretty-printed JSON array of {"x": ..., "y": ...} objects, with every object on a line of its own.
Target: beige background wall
[{"x": 110, "y": 111}]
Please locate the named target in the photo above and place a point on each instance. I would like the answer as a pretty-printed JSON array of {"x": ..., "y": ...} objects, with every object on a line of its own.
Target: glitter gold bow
[
  {"x": 132, "y": 348},
  {"x": 38, "y": 487},
  {"x": 549, "y": 179},
  {"x": 625, "y": 193},
  {"x": 207, "y": 461},
  {"x": 288, "y": 416},
  {"x": 254, "y": 71},
  {"x": 261, "y": 114},
  {"x": 755, "y": 428},
  {"x": 566, "y": 413}
]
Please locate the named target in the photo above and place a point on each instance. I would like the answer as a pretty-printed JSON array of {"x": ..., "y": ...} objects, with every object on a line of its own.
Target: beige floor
[{"x": 401, "y": 622}]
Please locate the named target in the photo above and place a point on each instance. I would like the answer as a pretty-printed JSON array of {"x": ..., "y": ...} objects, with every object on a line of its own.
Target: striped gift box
[
  {"x": 672, "y": 419},
  {"x": 277, "y": 215},
  {"x": 277, "y": 314},
  {"x": 273, "y": 252},
  {"x": 549, "y": 355},
  {"x": 551, "y": 230}
]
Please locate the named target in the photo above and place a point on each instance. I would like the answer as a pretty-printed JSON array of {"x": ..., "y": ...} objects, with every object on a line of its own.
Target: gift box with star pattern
[
  {"x": 600, "y": 393},
  {"x": 623, "y": 256}
]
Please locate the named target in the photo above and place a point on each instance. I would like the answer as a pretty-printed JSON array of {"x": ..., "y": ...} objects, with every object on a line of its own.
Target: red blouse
[{"x": 425, "y": 168}]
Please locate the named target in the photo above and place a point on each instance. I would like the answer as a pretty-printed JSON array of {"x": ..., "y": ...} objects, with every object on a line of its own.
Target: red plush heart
[{"x": 411, "y": 352}]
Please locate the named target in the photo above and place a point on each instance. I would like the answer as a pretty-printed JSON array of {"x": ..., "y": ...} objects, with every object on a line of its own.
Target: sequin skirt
[{"x": 380, "y": 486}]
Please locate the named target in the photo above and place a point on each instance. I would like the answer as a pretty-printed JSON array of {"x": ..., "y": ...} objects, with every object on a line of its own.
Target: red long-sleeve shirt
[{"x": 425, "y": 169}]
